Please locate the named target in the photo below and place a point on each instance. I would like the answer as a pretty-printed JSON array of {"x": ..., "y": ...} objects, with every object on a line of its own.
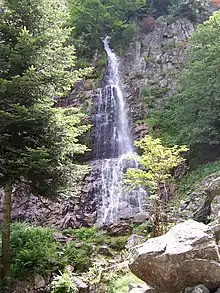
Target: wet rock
[
  {"x": 185, "y": 256},
  {"x": 134, "y": 240}
]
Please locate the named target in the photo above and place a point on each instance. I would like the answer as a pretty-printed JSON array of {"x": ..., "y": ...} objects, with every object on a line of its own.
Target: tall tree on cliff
[{"x": 37, "y": 140}]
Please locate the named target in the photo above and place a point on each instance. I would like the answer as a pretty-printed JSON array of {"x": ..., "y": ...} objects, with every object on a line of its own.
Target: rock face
[
  {"x": 184, "y": 257},
  {"x": 203, "y": 204},
  {"x": 150, "y": 66}
]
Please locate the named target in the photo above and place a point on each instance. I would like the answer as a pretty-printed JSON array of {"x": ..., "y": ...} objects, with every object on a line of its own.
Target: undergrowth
[{"x": 35, "y": 250}]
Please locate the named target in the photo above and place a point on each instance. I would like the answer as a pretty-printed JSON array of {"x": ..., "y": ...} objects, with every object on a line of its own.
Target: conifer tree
[{"x": 37, "y": 139}]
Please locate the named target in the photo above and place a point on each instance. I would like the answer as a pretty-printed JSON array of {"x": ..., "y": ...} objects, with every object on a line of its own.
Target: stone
[
  {"x": 81, "y": 285},
  {"x": 200, "y": 289},
  {"x": 141, "y": 217},
  {"x": 141, "y": 288},
  {"x": 39, "y": 282},
  {"x": 218, "y": 290},
  {"x": 105, "y": 250},
  {"x": 119, "y": 230},
  {"x": 203, "y": 204},
  {"x": 197, "y": 289},
  {"x": 184, "y": 257},
  {"x": 134, "y": 240}
]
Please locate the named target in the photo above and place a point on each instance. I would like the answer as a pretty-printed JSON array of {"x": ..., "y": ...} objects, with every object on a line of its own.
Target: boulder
[{"x": 184, "y": 257}]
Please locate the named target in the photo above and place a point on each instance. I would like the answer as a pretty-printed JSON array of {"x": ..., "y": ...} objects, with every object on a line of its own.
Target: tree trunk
[{"x": 6, "y": 230}]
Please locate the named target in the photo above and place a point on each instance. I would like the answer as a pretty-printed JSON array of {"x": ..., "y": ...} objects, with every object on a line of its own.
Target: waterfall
[{"x": 114, "y": 147}]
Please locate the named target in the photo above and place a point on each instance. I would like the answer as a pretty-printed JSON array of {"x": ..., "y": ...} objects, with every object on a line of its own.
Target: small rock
[
  {"x": 141, "y": 288},
  {"x": 78, "y": 244},
  {"x": 60, "y": 237},
  {"x": 200, "y": 289},
  {"x": 218, "y": 291},
  {"x": 141, "y": 217},
  {"x": 134, "y": 240},
  {"x": 81, "y": 285},
  {"x": 119, "y": 230},
  {"x": 39, "y": 282},
  {"x": 105, "y": 250}
]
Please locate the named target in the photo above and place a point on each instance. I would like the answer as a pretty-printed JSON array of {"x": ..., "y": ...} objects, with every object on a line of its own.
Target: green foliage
[
  {"x": 120, "y": 285},
  {"x": 192, "y": 116},
  {"x": 153, "y": 95},
  {"x": 63, "y": 284},
  {"x": 33, "y": 250},
  {"x": 156, "y": 165},
  {"x": 143, "y": 229},
  {"x": 38, "y": 141},
  {"x": 93, "y": 19},
  {"x": 194, "y": 10},
  {"x": 156, "y": 161},
  {"x": 192, "y": 179},
  {"x": 93, "y": 236}
]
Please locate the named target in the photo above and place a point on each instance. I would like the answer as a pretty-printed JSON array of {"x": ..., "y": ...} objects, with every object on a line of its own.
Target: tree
[
  {"x": 155, "y": 166},
  {"x": 194, "y": 10},
  {"x": 193, "y": 116},
  {"x": 94, "y": 19},
  {"x": 37, "y": 140}
]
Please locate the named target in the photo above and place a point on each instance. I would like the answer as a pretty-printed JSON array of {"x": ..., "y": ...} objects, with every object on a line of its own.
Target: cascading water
[{"x": 113, "y": 145}]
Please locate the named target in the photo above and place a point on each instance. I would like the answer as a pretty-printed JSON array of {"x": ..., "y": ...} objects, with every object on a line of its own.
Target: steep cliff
[{"x": 148, "y": 69}]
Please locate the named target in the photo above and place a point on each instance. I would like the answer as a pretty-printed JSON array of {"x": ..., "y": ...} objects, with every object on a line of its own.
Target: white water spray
[{"x": 114, "y": 146}]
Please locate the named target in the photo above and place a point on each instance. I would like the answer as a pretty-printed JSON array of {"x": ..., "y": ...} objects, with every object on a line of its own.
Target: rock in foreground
[{"x": 184, "y": 257}]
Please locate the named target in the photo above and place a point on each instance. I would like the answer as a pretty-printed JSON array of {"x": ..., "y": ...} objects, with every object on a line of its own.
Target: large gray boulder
[{"x": 186, "y": 256}]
